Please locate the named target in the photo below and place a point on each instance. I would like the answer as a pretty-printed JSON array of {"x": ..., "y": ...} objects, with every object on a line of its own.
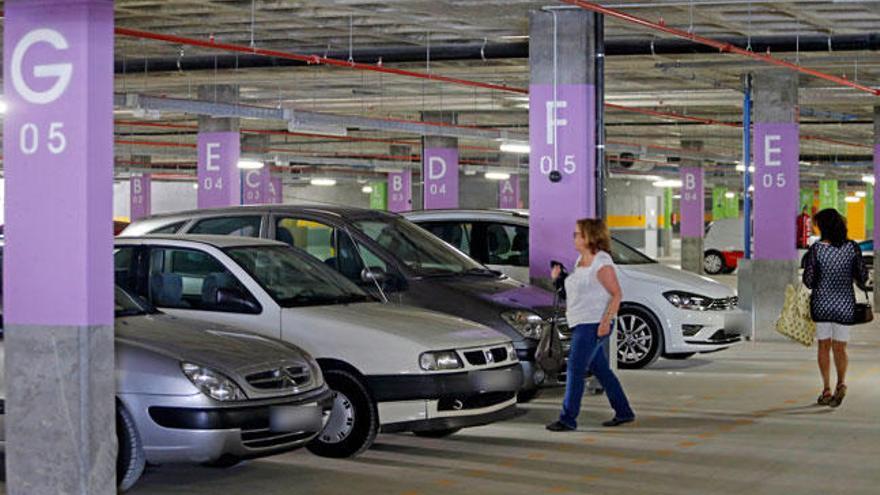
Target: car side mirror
[
  {"x": 374, "y": 274},
  {"x": 235, "y": 300}
]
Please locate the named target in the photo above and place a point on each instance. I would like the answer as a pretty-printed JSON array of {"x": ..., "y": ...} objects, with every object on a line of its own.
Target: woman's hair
[
  {"x": 832, "y": 225},
  {"x": 596, "y": 233}
]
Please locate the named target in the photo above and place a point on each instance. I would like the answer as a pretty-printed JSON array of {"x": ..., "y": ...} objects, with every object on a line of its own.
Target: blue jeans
[{"x": 587, "y": 353}]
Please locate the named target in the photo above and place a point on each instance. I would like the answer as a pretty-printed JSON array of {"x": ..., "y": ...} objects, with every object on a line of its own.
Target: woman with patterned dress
[{"x": 831, "y": 266}]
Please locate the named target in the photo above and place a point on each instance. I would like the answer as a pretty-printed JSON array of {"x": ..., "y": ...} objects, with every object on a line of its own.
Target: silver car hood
[
  {"x": 667, "y": 279},
  {"x": 207, "y": 344},
  {"x": 426, "y": 329}
]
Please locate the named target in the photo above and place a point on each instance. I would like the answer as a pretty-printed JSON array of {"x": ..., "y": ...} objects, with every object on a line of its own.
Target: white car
[
  {"x": 665, "y": 311},
  {"x": 390, "y": 367}
]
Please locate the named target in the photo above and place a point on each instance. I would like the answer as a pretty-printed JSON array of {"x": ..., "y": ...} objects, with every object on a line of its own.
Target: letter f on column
[{"x": 553, "y": 121}]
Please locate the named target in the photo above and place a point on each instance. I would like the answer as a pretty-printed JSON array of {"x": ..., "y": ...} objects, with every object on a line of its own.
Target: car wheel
[
  {"x": 354, "y": 421},
  {"x": 639, "y": 339},
  {"x": 679, "y": 356},
  {"x": 130, "y": 458},
  {"x": 713, "y": 263},
  {"x": 437, "y": 433}
]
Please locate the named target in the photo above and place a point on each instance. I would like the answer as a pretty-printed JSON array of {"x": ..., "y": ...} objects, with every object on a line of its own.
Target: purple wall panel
[
  {"x": 400, "y": 191},
  {"x": 440, "y": 173},
  {"x": 255, "y": 187},
  {"x": 140, "y": 196},
  {"x": 58, "y": 162},
  {"x": 876, "y": 194},
  {"x": 693, "y": 202},
  {"x": 275, "y": 191},
  {"x": 562, "y": 137},
  {"x": 777, "y": 190},
  {"x": 219, "y": 176},
  {"x": 508, "y": 193}
]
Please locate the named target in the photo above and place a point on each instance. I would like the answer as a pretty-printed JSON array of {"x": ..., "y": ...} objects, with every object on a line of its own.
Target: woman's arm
[
  {"x": 809, "y": 277},
  {"x": 608, "y": 278}
]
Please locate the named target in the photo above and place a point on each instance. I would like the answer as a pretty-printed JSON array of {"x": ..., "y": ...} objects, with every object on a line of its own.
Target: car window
[
  {"x": 244, "y": 226},
  {"x": 326, "y": 243},
  {"x": 123, "y": 267},
  {"x": 507, "y": 244},
  {"x": 622, "y": 254},
  {"x": 168, "y": 229},
  {"x": 190, "y": 279},
  {"x": 456, "y": 233}
]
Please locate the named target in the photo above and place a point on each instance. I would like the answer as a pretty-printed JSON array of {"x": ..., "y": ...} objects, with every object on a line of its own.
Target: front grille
[
  {"x": 479, "y": 358},
  {"x": 280, "y": 379},
  {"x": 478, "y": 401},
  {"x": 263, "y": 438},
  {"x": 725, "y": 304},
  {"x": 722, "y": 335}
]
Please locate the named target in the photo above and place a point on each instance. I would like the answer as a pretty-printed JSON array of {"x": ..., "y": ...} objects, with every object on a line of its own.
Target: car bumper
[
  {"x": 705, "y": 331},
  {"x": 194, "y": 429},
  {"x": 418, "y": 403}
]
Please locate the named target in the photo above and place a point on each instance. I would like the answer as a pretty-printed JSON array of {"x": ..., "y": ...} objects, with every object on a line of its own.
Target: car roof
[
  {"x": 471, "y": 214},
  {"x": 217, "y": 241},
  {"x": 333, "y": 210}
]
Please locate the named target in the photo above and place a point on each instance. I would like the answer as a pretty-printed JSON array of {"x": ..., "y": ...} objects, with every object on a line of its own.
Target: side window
[
  {"x": 241, "y": 226},
  {"x": 123, "y": 268},
  {"x": 458, "y": 234},
  {"x": 190, "y": 279},
  {"x": 507, "y": 244},
  {"x": 168, "y": 229},
  {"x": 328, "y": 244}
]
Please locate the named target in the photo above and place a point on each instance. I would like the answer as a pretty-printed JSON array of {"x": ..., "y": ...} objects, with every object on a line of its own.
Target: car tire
[
  {"x": 679, "y": 356},
  {"x": 130, "y": 457},
  {"x": 713, "y": 263},
  {"x": 354, "y": 421},
  {"x": 639, "y": 338},
  {"x": 437, "y": 433},
  {"x": 524, "y": 396}
]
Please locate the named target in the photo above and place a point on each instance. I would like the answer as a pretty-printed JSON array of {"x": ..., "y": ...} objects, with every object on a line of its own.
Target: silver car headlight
[
  {"x": 511, "y": 352},
  {"x": 529, "y": 324},
  {"x": 686, "y": 300},
  {"x": 212, "y": 383},
  {"x": 444, "y": 360}
]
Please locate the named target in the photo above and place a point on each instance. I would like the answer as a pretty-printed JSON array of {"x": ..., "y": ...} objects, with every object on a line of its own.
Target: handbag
[
  {"x": 864, "y": 312},
  {"x": 549, "y": 355},
  {"x": 795, "y": 321}
]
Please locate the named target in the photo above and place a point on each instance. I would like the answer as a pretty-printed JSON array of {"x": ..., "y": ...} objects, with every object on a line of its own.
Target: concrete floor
[{"x": 740, "y": 421}]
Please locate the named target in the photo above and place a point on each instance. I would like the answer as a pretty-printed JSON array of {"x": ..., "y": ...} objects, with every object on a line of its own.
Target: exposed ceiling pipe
[
  {"x": 495, "y": 51},
  {"x": 719, "y": 45}
]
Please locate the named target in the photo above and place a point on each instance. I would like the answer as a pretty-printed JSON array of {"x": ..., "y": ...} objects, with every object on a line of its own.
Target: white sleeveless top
[{"x": 586, "y": 297}]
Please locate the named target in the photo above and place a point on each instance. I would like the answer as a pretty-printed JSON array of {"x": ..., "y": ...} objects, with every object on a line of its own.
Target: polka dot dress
[{"x": 830, "y": 271}]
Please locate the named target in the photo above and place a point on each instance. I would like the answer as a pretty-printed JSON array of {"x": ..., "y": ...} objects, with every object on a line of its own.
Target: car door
[
  {"x": 194, "y": 283},
  {"x": 243, "y": 225}
]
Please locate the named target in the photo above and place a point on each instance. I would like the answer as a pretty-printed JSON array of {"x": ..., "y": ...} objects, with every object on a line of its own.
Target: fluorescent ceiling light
[
  {"x": 752, "y": 188},
  {"x": 250, "y": 164},
  {"x": 367, "y": 189},
  {"x": 676, "y": 196},
  {"x": 861, "y": 194},
  {"x": 868, "y": 179},
  {"x": 497, "y": 175},
  {"x": 730, "y": 195},
  {"x": 742, "y": 168},
  {"x": 320, "y": 181},
  {"x": 3, "y": 107},
  {"x": 852, "y": 199},
  {"x": 667, "y": 183},
  {"x": 328, "y": 130},
  {"x": 195, "y": 185},
  {"x": 515, "y": 147}
]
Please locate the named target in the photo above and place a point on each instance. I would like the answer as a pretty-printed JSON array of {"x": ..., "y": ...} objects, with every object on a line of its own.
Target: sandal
[
  {"x": 825, "y": 398},
  {"x": 839, "y": 394}
]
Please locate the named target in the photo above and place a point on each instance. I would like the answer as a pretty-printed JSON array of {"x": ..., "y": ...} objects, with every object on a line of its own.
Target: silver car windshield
[
  {"x": 296, "y": 280},
  {"x": 128, "y": 305},
  {"x": 421, "y": 251},
  {"x": 622, "y": 254}
]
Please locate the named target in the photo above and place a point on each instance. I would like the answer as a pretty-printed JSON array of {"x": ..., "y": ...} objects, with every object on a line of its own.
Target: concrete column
[
  {"x": 562, "y": 132},
  {"x": 876, "y": 234},
  {"x": 400, "y": 183},
  {"x": 219, "y": 149},
  {"x": 58, "y": 282},
  {"x": 693, "y": 210},
  {"x": 440, "y": 165},
  {"x": 777, "y": 190},
  {"x": 255, "y": 183}
]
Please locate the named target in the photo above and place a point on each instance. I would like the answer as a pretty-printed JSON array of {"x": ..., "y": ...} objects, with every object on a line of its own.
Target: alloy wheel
[{"x": 634, "y": 339}]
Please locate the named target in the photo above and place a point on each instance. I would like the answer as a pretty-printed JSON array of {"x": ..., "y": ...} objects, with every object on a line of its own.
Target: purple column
[
  {"x": 508, "y": 193},
  {"x": 777, "y": 190},
  {"x": 219, "y": 177},
  {"x": 400, "y": 191},
  {"x": 562, "y": 169},
  {"x": 275, "y": 191},
  {"x": 58, "y": 257},
  {"x": 693, "y": 202},
  {"x": 255, "y": 187},
  {"x": 440, "y": 174},
  {"x": 140, "y": 196}
]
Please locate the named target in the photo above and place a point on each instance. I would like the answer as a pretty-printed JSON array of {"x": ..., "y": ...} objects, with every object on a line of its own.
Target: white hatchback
[
  {"x": 391, "y": 367},
  {"x": 665, "y": 311}
]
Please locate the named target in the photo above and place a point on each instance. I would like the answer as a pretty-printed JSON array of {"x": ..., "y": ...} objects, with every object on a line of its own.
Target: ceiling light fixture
[
  {"x": 4, "y": 107},
  {"x": 367, "y": 189},
  {"x": 250, "y": 164},
  {"x": 497, "y": 175},
  {"x": 667, "y": 183},
  {"x": 320, "y": 181},
  {"x": 515, "y": 147},
  {"x": 730, "y": 195},
  {"x": 852, "y": 199},
  {"x": 862, "y": 194},
  {"x": 868, "y": 179}
]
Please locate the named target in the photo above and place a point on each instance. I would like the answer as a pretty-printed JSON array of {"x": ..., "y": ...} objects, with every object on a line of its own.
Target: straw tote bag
[{"x": 795, "y": 321}]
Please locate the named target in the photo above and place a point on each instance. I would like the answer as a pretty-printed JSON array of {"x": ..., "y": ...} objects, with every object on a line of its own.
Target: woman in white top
[{"x": 593, "y": 298}]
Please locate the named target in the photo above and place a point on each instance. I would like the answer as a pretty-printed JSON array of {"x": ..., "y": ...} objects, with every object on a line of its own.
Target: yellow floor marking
[{"x": 589, "y": 440}]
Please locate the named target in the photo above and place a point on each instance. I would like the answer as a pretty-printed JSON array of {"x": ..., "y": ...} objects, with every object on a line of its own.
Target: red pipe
[
  {"x": 309, "y": 59},
  {"x": 722, "y": 47}
]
